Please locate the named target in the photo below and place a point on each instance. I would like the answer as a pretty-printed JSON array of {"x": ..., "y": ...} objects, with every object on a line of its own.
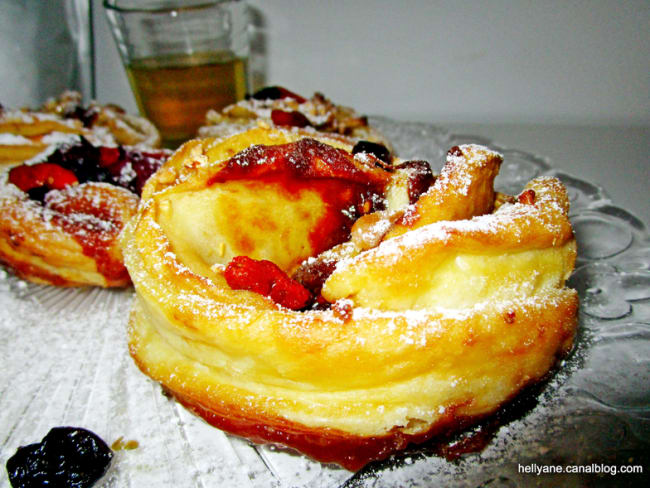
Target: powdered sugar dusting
[
  {"x": 9, "y": 139},
  {"x": 24, "y": 117},
  {"x": 57, "y": 138}
]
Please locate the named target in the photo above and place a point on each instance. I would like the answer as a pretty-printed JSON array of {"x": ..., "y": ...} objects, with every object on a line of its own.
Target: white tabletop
[{"x": 616, "y": 159}]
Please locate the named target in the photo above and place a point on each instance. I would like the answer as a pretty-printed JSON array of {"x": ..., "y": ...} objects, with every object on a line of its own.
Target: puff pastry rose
[
  {"x": 60, "y": 218},
  {"x": 275, "y": 106},
  {"x": 293, "y": 292},
  {"x": 25, "y": 134}
]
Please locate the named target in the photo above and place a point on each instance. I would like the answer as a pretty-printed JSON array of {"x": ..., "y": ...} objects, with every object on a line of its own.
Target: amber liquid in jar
[{"x": 175, "y": 92}]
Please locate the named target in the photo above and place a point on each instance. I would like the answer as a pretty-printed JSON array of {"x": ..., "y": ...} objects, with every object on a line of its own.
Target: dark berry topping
[
  {"x": 82, "y": 162},
  {"x": 289, "y": 119},
  {"x": 38, "y": 194},
  {"x": 144, "y": 164},
  {"x": 379, "y": 151},
  {"x": 455, "y": 151},
  {"x": 108, "y": 156},
  {"x": 67, "y": 456},
  {"x": 277, "y": 93},
  {"x": 87, "y": 116},
  {"x": 80, "y": 158}
]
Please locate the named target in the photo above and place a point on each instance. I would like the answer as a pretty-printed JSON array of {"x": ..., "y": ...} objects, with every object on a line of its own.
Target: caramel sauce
[
  {"x": 324, "y": 445},
  {"x": 473, "y": 435},
  {"x": 452, "y": 437}
]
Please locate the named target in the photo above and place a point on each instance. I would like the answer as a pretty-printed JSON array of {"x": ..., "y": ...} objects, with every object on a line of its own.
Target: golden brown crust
[
  {"x": 325, "y": 444},
  {"x": 441, "y": 323}
]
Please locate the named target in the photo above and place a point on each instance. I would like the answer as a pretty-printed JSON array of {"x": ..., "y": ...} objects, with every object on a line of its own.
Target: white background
[
  {"x": 503, "y": 61},
  {"x": 565, "y": 79}
]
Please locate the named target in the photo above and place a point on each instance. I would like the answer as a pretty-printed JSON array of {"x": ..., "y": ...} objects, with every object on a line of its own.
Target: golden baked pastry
[
  {"x": 295, "y": 293},
  {"x": 275, "y": 106},
  {"x": 60, "y": 218},
  {"x": 25, "y": 134}
]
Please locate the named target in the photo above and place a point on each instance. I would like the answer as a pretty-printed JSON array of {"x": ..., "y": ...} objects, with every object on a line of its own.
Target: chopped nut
[{"x": 165, "y": 207}]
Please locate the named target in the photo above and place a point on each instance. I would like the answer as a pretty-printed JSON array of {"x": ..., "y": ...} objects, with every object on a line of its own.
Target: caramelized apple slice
[{"x": 306, "y": 192}]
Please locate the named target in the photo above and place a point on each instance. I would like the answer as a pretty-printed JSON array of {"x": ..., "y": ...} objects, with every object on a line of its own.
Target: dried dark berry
[
  {"x": 67, "y": 457},
  {"x": 82, "y": 162},
  {"x": 313, "y": 274},
  {"x": 420, "y": 178},
  {"x": 80, "y": 158},
  {"x": 276, "y": 93},
  {"x": 379, "y": 151},
  {"x": 87, "y": 116},
  {"x": 38, "y": 193}
]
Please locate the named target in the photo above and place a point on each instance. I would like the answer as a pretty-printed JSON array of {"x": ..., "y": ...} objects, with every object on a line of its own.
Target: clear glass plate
[{"x": 65, "y": 362}]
